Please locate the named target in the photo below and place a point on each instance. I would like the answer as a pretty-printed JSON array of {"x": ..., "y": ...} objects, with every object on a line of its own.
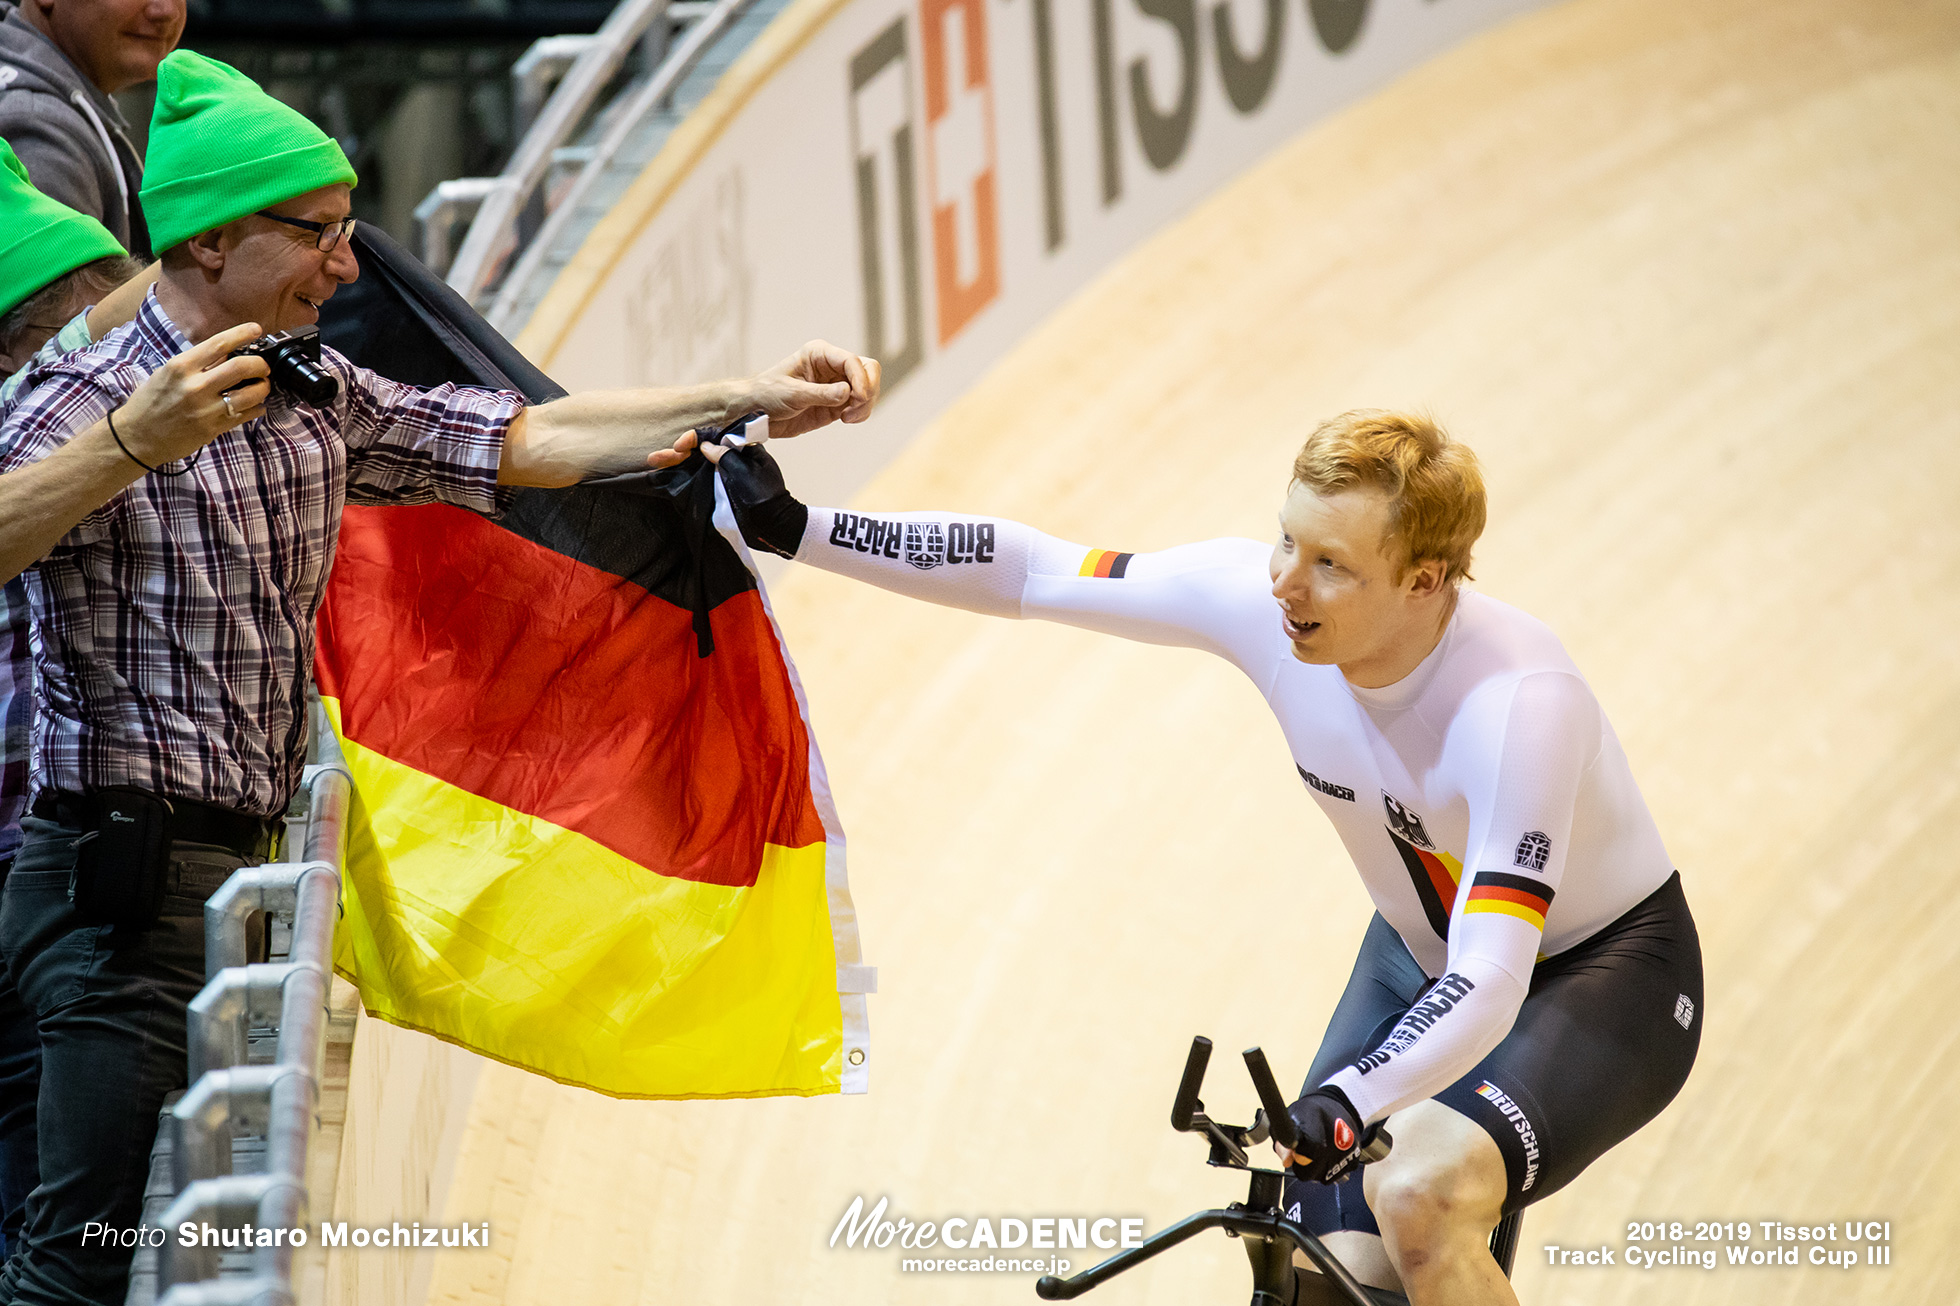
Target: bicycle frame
[{"x": 1269, "y": 1242}]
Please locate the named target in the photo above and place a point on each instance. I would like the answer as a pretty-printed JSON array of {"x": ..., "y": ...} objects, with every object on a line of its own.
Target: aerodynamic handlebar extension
[
  {"x": 1187, "y": 1090},
  {"x": 1279, "y": 1123}
]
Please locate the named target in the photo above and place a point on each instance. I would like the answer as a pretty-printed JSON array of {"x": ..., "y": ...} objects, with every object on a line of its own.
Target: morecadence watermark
[{"x": 879, "y": 1228}]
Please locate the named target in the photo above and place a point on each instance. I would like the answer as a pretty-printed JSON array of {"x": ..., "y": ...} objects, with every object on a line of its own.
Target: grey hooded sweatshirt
[{"x": 72, "y": 138}]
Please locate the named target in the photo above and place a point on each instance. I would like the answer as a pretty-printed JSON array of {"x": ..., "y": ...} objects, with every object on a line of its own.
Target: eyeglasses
[{"x": 326, "y": 234}]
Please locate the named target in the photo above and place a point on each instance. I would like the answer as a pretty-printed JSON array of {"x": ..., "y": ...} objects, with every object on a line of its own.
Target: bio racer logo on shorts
[{"x": 1527, "y": 1136}]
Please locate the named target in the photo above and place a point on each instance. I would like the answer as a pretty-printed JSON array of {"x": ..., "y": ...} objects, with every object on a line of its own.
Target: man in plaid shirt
[
  {"x": 175, "y": 412},
  {"x": 54, "y": 263},
  {"x": 173, "y": 628}
]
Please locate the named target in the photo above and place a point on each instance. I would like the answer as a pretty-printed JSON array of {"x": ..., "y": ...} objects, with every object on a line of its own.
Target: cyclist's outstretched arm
[
  {"x": 1212, "y": 595},
  {"x": 1548, "y": 733}
]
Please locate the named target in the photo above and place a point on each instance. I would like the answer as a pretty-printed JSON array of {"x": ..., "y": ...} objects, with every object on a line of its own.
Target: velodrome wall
[{"x": 925, "y": 180}]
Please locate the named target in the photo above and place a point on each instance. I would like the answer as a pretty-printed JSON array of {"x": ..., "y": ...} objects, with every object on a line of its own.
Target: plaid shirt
[
  {"x": 16, "y": 668},
  {"x": 173, "y": 628}
]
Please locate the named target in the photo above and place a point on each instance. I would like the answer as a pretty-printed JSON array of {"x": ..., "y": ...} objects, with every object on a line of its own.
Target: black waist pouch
[{"x": 122, "y": 857}]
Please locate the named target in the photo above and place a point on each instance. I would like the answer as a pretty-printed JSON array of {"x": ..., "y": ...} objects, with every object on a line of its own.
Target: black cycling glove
[
  {"x": 769, "y": 515},
  {"x": 1330, "y": 1135}
]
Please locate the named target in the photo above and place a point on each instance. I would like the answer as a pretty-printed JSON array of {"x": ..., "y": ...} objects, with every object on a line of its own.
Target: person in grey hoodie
[{"x": 60, "y": 61}]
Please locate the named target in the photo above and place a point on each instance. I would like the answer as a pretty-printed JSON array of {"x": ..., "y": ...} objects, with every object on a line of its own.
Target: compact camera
[{"x": 294, "y": 357}]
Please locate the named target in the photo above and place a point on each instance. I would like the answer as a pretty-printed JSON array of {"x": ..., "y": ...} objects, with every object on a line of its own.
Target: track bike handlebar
[
  {"x": 1375, "y": 1141},
  {"x": 1279, "y": 1121},
  {"x": 1186, "y": 1101}
]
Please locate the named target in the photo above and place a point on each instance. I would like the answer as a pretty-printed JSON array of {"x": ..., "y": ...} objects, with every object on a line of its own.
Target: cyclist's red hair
[{"x": 1434, "y": 486}]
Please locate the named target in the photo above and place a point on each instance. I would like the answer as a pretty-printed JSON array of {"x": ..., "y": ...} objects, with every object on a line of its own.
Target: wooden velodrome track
[{"x": 1688, "y": 278}]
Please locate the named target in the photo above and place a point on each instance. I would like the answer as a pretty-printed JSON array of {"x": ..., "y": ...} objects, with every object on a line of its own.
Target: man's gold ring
[{"x": 228, "y": 409}]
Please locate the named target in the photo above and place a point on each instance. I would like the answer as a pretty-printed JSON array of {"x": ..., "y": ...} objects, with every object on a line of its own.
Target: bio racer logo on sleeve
[
  {"x": 1438, "y": 1002},
  {"x": 923, "y": 544},
  {"x": 927, "y": 547}
]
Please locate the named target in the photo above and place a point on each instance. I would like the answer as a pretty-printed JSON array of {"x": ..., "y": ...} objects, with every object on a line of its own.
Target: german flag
[
  {"x": 1513, "y": 895},
  {"x": 1105, "y": 563},
  {"x": 592, "y": 835}
]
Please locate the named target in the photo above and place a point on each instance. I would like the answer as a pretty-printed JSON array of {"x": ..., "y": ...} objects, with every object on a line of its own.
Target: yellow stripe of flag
[{"x": 535, "y": 945}]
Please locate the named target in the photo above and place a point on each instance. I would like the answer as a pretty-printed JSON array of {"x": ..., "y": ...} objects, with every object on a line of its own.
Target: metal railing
[
  {"x": 515, "y": 216},
  {"x": 232, "y": 1096},
  {"x": 624, "y": 120}
]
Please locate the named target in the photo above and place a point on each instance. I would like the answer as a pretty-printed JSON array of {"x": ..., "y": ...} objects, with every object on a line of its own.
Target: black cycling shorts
[{"x": 1602, "y": 1043}]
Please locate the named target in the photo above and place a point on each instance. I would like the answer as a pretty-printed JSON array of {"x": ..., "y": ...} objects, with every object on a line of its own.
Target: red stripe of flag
[{"x": 538, "y": 682}]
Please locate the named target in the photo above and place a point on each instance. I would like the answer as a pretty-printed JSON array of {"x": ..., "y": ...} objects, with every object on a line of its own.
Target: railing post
[
  {"x": 436, "y": 216},
  {"x": 279, "y": 1101}
]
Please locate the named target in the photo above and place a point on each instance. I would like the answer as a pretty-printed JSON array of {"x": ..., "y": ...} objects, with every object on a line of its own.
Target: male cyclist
[{"x": 1529, "y": 990}]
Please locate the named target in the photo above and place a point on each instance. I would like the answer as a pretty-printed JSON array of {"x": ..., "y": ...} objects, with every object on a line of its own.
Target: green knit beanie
[
  {"x": 221, "y": 148},
  {"x": 40, "y": 239}
]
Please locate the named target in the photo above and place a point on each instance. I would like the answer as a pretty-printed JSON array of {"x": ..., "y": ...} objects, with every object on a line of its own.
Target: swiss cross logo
[
  {"x": 960, "y": 172},
  {"x": 927, "y": 189}
]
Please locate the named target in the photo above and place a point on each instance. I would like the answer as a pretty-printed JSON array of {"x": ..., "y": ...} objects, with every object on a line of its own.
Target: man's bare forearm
[
  {"x": 43, "y": 501},
  {"x": 606, "y": 432}
]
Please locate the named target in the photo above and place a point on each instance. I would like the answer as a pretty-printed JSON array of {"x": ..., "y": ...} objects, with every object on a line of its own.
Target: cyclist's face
[{"x": 1345, "y": 595}]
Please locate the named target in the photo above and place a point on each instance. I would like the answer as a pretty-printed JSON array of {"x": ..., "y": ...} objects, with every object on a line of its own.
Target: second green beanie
[
  {"x": 221, "y": 148},
  {"x": 40, "y": 239}
]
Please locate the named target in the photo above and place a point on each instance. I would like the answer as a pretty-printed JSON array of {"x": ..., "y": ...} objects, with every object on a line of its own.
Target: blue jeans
[
  {"x": 20, "y": 1082},
  {"x": 110, "y": 1003}
]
